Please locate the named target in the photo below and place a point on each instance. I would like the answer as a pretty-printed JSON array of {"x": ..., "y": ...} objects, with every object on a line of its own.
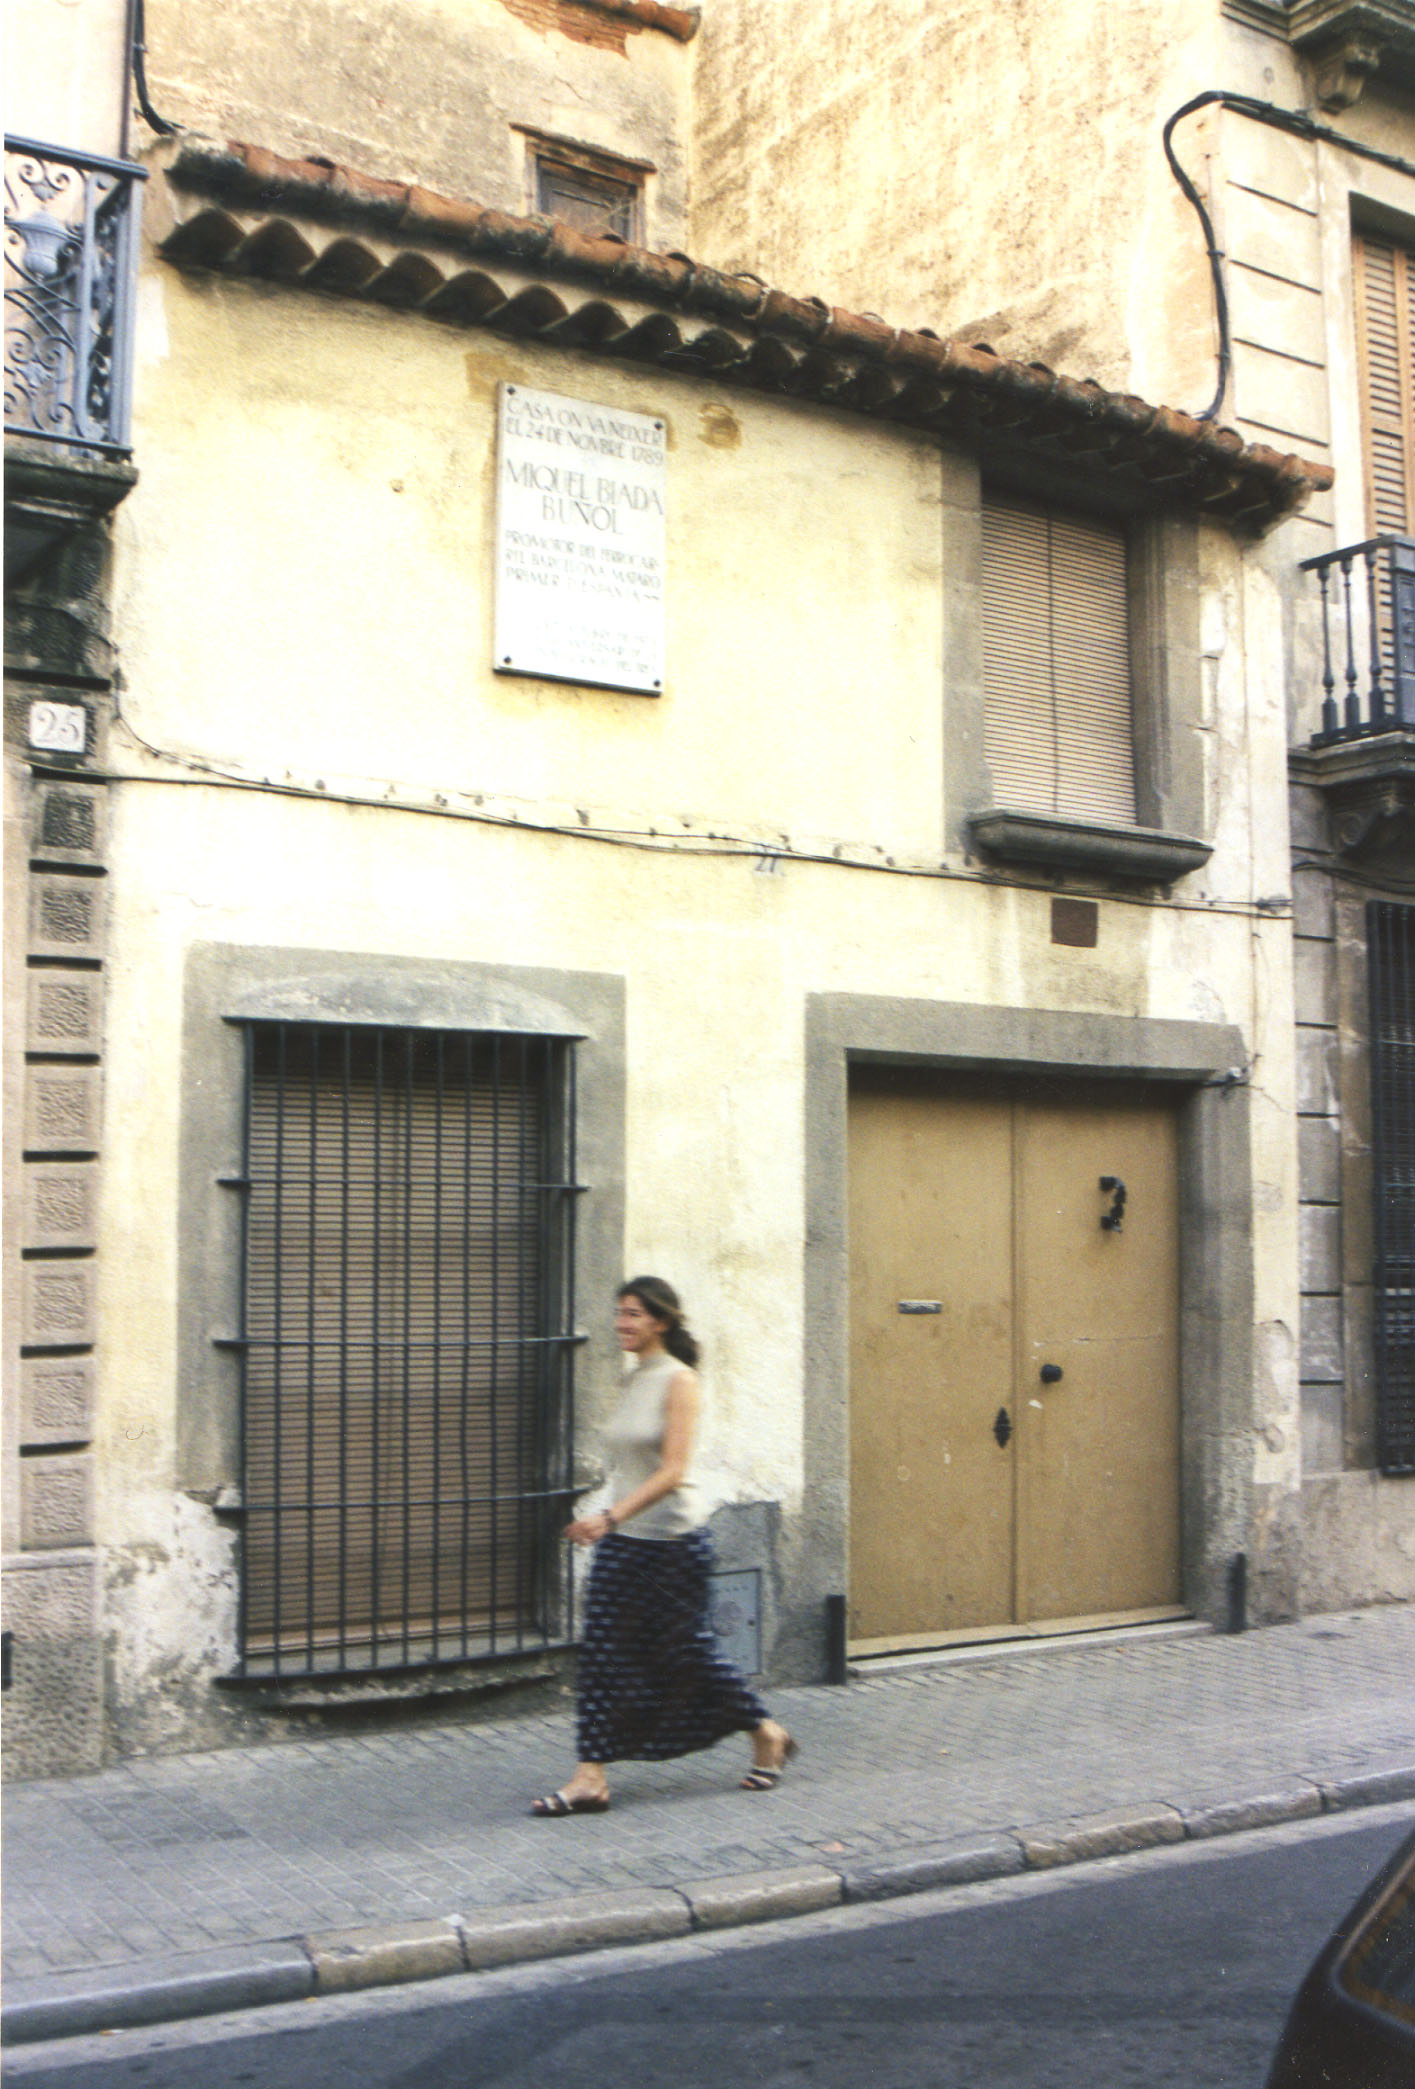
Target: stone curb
[
  {"x": 585, "y": 1922},
  {"x": 1047, "y": 1843},
  {"x": 1290, "y": 1802},
  {"x": 959, "y": 1862},
  {"x": 1373, "y": 1788},
  {"x": 761, "y": 1896},
  {"x": 383, "y": 1955},
  {"x": 194, "y": 1983},
  {"x": 205, "y": 1983}
]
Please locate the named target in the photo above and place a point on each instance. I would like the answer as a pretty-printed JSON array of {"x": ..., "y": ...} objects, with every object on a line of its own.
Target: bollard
[{"x": 835, "y": 1669}]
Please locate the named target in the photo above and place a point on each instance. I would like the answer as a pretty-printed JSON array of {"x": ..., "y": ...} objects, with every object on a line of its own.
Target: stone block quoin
[
  {"x": 56, "y": 1400},
  {"x": 58, "y": 701},
  {"x": 66, "y": 914}
]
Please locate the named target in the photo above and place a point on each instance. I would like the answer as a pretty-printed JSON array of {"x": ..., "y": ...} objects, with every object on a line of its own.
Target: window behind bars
[
  {"x": 407, "y": 1346},
  {"x": 1391, "y": 948}
]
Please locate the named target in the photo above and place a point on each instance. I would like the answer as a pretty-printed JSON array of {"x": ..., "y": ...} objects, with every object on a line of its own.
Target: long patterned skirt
[{"x": 652, "y": 1683}]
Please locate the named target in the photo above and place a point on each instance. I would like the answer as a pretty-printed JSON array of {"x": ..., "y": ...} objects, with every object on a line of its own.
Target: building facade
[
  {"x": 883, "y": 927},
  {"x": 1275, "y": 293}
]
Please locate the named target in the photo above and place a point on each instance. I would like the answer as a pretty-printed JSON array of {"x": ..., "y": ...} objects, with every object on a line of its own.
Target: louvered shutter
[
  {"x": 1057, "y": 726},
  {"x": 1385, "y": 287},
  {"x": 403, "y": 1396}
]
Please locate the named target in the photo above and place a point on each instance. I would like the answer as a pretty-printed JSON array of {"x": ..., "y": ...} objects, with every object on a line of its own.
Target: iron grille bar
[
  {"x": 394, "y": 1342},
  {"x": 464, "y": 1444},
  {"x": 437, "y": 1341},
  {"x": 521, "y": 1285},
  {"x": 496, "y": 1238},
  {"x": 406, "y": 1345},
  {"x": 309, "y": 1336},
  {"x": 406, "y": 1418},
  {"x": 260, "y": 1666},
  {"x": 567, "y": 1301},
  {"x": 345, "y": 1072},
  {"x": 1391, "y": 950},
  {"x": 248, "y": 1090},
  {"x": 376, "y": 1438},
  {"x": 426, "y": 1501},
  {"x": 277, "y": 1405}
]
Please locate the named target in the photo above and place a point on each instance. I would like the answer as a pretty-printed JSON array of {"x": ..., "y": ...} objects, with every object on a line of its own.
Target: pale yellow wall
[
  {"x": 717, "y": 959},
  {"x": 318, "y": 488},
  {"x": 990, "y": 167},
  {"x": 426, "y": 90},
  {"x": 304, "y": 591}
]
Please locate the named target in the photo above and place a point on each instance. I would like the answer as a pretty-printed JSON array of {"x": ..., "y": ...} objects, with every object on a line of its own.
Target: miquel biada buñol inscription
[{"x": 580, "y": 542}]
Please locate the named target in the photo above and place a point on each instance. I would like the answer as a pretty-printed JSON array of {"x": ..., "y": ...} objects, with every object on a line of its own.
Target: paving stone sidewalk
[{"x": 115, "y": 1879}]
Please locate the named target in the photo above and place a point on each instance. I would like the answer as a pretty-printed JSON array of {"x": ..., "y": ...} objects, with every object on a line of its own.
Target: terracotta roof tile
[{"x": 243, "y": 209}]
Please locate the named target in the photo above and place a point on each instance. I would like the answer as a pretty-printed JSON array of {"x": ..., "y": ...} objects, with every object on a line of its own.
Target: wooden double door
[{"x": 1014, "y": 1387}]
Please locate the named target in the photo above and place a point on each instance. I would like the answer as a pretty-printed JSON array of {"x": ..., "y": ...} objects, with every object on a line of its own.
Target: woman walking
[{"x": 652, "y": 1683}]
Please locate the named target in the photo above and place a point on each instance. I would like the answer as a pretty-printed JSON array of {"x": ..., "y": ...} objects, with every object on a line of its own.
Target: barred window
[
  {"x": 1391, "y": 948},
  {"x": 406, "y": 1346}
]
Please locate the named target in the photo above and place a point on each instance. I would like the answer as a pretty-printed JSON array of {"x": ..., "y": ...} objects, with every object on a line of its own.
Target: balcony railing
[
  {"x": 1368, "y": 638},
  {"x": 70, "y": 250}
]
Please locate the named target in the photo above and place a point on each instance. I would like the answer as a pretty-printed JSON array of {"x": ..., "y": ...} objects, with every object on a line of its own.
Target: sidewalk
[{"x": 182, "y": 1884}]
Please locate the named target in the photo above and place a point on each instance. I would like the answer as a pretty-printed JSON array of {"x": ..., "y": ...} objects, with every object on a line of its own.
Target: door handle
[
  {"x": 1114, "y": 1188},
  {"x": 1051, "y": 1374}
]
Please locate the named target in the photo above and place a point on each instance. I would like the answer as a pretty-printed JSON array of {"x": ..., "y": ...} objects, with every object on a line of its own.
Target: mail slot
[{"x": 921, "y": 1305}]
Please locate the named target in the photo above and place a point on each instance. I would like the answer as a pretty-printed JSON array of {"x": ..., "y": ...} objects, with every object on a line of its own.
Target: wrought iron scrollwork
[{"x": 69, "y": 230}]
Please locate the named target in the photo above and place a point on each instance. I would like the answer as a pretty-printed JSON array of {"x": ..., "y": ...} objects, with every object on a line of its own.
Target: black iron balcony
[
  {"x": 1368, "y": 638},
  {"x": 70, "y": 251}
]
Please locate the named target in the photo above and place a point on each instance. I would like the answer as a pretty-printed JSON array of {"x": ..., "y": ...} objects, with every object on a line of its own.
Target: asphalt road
[{"x": 1173, "y": 1969}]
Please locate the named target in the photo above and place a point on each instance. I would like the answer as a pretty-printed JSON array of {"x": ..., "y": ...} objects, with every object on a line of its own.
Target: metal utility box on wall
[{"x": 735, "y": 1614}]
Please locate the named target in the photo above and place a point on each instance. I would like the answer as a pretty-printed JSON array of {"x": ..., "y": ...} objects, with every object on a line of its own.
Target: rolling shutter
[
  {"x": 406, "y": 1346},
  {"x": 1056, "y": 664}
]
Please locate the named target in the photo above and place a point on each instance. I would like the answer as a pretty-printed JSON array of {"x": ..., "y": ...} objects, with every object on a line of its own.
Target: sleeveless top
[{"x": 635, "y": 1440}]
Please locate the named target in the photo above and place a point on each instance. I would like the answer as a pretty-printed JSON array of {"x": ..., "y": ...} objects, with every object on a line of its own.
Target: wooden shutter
[
  {"x": 1385, "y": 313},
  {"x": 401, "y": 1404},
  {"x": 1056, "y": 664},
  {"x": 591, "y": 201}
]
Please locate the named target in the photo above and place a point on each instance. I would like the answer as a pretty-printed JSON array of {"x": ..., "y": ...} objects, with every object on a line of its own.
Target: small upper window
[
  {"x": 1057, "y": 727},
  {"x": 592, "y": 191}
]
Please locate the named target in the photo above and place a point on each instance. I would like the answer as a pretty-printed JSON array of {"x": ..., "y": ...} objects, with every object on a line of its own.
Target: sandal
[
  {"x": 765, "y": 1777},
  {"x": 556, "y": 1807}
]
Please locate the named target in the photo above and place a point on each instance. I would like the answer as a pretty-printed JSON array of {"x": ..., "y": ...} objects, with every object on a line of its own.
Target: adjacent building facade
[
  {"x": 1276, "y": 293},
  {"x": 878, "y": 915}
]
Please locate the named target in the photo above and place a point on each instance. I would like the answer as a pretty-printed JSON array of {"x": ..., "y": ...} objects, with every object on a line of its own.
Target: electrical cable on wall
[
  {"x": 137, "y": 58},
  {"x": 1278, "y": 119},
  {"x": 196, "y": 771}
]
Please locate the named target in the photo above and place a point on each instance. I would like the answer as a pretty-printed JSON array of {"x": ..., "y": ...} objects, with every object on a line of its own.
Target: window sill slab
[{"x": 1144, "y": 854}]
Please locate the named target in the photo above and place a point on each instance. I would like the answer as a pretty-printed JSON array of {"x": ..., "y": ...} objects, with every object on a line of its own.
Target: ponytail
[{"x": 662, "y": 1301}]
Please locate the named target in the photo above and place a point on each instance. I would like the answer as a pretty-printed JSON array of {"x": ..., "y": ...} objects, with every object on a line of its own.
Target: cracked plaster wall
[{"x": 430, "y": 91}]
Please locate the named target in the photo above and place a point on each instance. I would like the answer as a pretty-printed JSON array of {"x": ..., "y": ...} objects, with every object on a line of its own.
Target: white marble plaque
[{"x": 580, "y": 542}]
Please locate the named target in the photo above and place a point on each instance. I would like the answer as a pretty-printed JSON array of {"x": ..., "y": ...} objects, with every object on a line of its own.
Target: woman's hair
[{"x": 662, "y": 1301}]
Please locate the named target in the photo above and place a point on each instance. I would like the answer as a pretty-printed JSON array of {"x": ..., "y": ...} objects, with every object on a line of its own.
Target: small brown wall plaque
[{"x": 1075, "y": 921}]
